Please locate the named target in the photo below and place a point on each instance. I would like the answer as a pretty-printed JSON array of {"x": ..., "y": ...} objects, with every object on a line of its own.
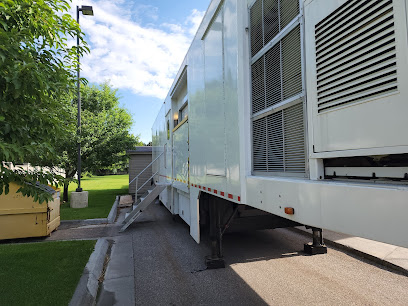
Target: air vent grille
[
  {"x": 289, "y": 9},
  {"x": 355, "y": 54},
  {"x": 277, "y": 75},
  {"x": 256, "y": 27},
  {"x": 271, "y": 19},
  {"x": 268, "y": 18},
  {"x": 291, "y": 64},
  {"x": 278, "y": 127},
  {"x": 279, "y": 143},
  {"x": 258, "y": 85}
]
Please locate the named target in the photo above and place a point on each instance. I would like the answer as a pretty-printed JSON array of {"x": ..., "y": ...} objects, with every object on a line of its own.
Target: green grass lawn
[
  {"x": 102, "y": 192},
  {"x": 45, "y": 273}
]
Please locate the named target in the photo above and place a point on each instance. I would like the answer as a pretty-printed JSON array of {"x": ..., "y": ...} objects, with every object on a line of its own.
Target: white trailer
[{"x": 296, "y": 108}]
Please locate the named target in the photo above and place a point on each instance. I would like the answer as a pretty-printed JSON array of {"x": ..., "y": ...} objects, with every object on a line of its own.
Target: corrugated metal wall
[{"x": 137, "y": 162}]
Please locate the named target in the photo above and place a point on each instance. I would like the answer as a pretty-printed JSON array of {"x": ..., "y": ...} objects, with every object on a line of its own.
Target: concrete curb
[
  {"x": 87, "y": 288},
  {"x": 354, "y": 251},
  {"x": 77, "y": 223},
  {"x": 109, "y": 220},
  {"x": 114, "y": 211}
]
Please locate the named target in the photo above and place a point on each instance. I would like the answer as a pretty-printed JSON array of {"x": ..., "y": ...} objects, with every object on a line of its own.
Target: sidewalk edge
[
  {"x": 114, "y": 210},
  {"x": 87, "y": 288},
  {"x": 358, "y": 253}
]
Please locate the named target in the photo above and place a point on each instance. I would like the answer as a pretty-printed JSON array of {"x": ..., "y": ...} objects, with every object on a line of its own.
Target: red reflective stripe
[
  {"x": 215, "y": 191},
  {"x": 239, "y": 199},
  {"x": 230, "y": 196},
  {"x": 209, "y": 189},
  {"x": 222, "y": 193},
  {"x": 204, "y": 188}
]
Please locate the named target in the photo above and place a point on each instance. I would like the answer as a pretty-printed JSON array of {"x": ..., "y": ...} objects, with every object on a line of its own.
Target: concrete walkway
[
  {"x": 118, "y": 286},
  {"x": 389, "y": 255}
]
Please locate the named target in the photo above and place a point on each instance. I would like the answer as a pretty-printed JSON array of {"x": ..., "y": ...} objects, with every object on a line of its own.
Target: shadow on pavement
[{"x": 169, "y": 264}]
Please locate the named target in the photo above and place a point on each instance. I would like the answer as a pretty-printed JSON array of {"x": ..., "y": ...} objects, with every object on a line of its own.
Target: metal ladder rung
[{"x": 141, "y": 206}]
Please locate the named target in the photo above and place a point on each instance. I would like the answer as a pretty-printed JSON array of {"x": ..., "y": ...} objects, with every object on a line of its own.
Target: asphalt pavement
[{"x": 156, "y": 262}]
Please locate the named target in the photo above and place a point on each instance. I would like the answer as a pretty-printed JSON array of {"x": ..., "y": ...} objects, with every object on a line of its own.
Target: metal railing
[{"x": 137, "y": 176}]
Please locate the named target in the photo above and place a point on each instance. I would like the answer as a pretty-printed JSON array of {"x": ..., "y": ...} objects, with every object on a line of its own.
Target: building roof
[{"x": 140, "y": 150}]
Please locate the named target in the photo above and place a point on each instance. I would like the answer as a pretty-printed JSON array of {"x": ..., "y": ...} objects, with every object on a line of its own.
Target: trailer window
[{"x": 183, "y": 112}]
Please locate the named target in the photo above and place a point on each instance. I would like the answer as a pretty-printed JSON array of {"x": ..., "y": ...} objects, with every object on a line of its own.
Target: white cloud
[
  {"x": 133, "y": 55},
  {"x": 195, "y": 19}
]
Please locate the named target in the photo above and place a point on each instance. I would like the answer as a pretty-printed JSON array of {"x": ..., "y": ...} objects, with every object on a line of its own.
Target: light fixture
[
  {"x": 86, "y": 10},
  {"x": 175, "y": 117}
]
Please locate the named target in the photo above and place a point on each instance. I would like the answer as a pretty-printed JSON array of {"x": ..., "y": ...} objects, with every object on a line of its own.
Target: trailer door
[
  {"x": 181, "y": 171},
  {"x": 181, "y": 156}
]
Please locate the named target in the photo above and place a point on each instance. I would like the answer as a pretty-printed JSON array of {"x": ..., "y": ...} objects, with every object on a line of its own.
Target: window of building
[{"x": 183, "y": 112}]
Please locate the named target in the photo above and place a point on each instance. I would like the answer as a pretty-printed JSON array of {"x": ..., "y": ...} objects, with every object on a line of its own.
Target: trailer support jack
[
  {"x": 317, "y": 247},
  {"x": 216, "y": 259}
]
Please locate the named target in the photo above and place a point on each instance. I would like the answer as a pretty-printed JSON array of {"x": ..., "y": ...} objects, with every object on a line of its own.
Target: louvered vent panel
[
  {"x": 275, "y": 143},
  {"x": 283, "y": 76},
  {"x": 289, "y": 9},
  {"x": 278, "y": 138},
  {"x": 273, "y": 78},
  {"x": 271, "y": 19},
  {"x": 260, "y": 153},
  {"x": 258, "y": 86},
  {"x": 294, "y": 139},
  {"x": 256, "y": 27},
  {"x": 291, "y": 64},
  {"x": 355, "y": 54},
  {"x": 268, "y": 18},
  {"x": 279, "y": 141}
]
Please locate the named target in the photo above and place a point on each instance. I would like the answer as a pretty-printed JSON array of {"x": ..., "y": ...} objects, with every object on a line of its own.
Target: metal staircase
[{"x": 141, "y": 204}]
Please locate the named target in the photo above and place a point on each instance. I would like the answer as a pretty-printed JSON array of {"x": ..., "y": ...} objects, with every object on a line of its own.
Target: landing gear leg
[
  {"x": 216, "y": 259},
  {"x": 317, "y": 247}
]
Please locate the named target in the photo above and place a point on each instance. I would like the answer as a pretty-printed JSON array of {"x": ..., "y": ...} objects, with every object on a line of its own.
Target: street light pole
[
  {"x": 86, "y": 10},
  {"x": 79, "y": 189}
]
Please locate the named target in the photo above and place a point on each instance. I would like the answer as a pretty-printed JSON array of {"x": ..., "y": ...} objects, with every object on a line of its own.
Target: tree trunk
[{"x": 65, "y": 196}]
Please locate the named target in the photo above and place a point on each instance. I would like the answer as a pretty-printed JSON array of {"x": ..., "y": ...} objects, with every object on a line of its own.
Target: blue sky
[{"x": 138, "y": 46}]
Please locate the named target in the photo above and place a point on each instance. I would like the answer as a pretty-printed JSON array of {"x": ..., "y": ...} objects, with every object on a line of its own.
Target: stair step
[
  {"x": 141, "y": 206},
  {"x": 149, "y": 191}
]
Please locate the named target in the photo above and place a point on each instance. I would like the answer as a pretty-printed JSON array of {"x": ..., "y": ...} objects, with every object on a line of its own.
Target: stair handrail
[
  {"x": 140, "y": 188},
  {"x": 137, "y": 176}
]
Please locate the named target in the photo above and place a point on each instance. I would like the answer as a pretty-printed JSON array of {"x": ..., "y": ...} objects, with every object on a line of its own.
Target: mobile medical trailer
[{"x": 288, "y": 112}]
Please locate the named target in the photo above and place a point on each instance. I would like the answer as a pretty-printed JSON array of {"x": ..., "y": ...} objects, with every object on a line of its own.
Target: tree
[
  {"x": 105, "y": 135},
  {"x": 37, "y": 68}
]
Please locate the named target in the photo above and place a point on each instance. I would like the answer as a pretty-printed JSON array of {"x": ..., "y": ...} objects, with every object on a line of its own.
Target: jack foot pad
[
  {"x": 214, "y": 262},
  {"x": 315, "y": 249}
]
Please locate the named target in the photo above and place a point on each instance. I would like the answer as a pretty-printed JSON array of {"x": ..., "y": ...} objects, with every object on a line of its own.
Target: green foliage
[
  {"x": 105, "y": 133},
  {"x": 37, "y": 68}
]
